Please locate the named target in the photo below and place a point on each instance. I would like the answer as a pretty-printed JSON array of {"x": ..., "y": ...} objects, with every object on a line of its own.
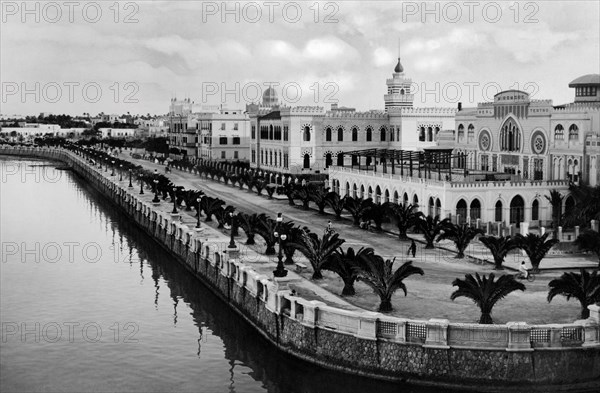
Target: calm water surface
[{"x": 88, "y": 303}]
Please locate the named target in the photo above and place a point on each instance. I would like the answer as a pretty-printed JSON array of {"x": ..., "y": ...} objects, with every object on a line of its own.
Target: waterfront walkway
[{"x": 428, "y": 295}]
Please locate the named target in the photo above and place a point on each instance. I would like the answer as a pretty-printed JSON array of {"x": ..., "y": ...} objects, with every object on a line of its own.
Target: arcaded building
[{"x": 496, "y": 165}]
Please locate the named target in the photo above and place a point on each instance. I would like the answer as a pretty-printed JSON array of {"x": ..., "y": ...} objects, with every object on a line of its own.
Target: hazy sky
[{"x": 75, "y": 57}]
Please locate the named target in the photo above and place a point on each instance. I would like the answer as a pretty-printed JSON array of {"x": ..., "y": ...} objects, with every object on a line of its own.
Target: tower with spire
[{"x": 398, "y": 90}]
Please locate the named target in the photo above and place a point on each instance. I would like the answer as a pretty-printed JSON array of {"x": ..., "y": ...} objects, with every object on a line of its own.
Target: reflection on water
[{"x": 91, "y": 304}]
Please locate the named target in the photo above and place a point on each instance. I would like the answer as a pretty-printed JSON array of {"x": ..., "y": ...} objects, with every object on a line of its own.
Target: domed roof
[
  {"x": 270, "y": 96},
  {"x": 399, "y": 67},
  {"x": 589, "y": 79}
]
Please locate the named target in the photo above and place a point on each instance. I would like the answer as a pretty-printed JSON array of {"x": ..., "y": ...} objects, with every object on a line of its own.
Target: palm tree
[
  {"x": 461, "y": 235},
  {"x": 318, "y": 250},
  {"x": 379, "y": 275},
  {"x": 211, "y": 206},
  {"x": 405, "y": 216},
  {"x": 377, "y": 213},
  {"x": 319, "y": 196},
  {"x": 535, "y": 246},
  {"x": 358, "y": 207},
  {"x": 582, "y": 286},
  {"x": 485, "y": 292},
  {"x": 266, "y": 229},
  {"x": 555, "y": 198},
  {"x": 336, "y": 203},
  {"x": 587, "y": 205},
  {"x": 345, "y": 263},
  {"x": 589, "y": 240},
  {"x": 249, "y": 223},
  {"x": 303, "y": 193},
  {"x": 499, "y": 247},
  {"x": 431, "y": 227}
]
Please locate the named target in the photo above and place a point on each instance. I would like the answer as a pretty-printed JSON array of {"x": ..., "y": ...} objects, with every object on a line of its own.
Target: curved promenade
[{"x": 512, "y": 356}]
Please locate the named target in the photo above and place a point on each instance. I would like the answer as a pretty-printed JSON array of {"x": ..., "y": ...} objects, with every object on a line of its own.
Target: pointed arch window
[{"x": 510, "y": 136}]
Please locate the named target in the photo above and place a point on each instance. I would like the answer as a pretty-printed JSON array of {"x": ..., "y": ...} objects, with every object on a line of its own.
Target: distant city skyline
[{"x": 86, "y": 57}]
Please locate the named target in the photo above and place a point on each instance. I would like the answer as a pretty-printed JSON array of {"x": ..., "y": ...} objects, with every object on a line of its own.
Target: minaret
[{"x": 398, "y": 93}]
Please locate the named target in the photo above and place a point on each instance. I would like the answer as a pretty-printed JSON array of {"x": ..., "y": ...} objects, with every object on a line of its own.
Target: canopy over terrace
[{"x": 436, "y": 163}]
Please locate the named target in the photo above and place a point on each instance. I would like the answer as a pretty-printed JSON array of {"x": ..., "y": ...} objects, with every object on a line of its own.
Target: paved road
[{"x": 428, "y": 294}]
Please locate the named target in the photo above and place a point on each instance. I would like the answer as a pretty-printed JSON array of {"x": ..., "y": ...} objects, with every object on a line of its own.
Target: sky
[{"x": 135, "y": 56}]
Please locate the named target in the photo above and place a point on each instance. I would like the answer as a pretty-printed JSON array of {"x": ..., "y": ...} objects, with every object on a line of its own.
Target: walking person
[{"x": 413, "y": 248}]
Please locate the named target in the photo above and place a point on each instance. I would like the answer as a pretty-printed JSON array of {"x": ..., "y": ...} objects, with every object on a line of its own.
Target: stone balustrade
[{"x": 370, "y": 343}]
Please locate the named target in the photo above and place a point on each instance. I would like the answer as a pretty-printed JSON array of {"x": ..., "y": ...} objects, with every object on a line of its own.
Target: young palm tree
[
  {"x": 249, "y": 223},
  {"x": 431, "y": 227},
  {"x": 377, "y": 213},
  {"x": 358, "y": 207},
  {"x": 582, "y": 286},
  {"x": 303, "y": 193},
  {"x": 485, "y": 292},
  {"x": 210, "y": 206},
  {"x": 266, "y": 229},
  {"x": 379, "y": 275},
  {"x": 535, "y": 246},
  {"x": 318, "y": 196},
  {"x": 461, "y": 235},
  {"x": 587, "y": 205},
  {"x": 345, "y": 263},
  {"x": 317, "y": 250},
  {"x": 555, "y": 198},
  {"x": 589, "y": 240},
  {"x": 336, "y": 203},
  {"x": 499, "y": 247},
  {"x": 404, "y": 215}
]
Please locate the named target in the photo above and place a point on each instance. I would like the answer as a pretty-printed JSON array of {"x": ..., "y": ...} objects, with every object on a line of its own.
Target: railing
[{"x": 511, "y": 336}]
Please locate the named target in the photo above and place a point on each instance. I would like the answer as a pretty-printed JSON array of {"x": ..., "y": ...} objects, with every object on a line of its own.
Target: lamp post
[
  {"x": 141, "y": 185},
  {"x": 174, "y": 201},
  {"x": 113, "y": 168},
  {"x": 120, "y": 172},
  {"x": 130, "y": 184},
  {"x": 199, "y": 199},
  {"x": 155, "y": 181},
  {"x": 233, "y": 217},
  {"x": 280, "y": 271}
]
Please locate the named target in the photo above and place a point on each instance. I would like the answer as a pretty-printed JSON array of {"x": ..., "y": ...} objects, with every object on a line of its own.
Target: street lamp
[
  {"x": 280, "y": 271},
  {"x": 174, "y": 201},
  {"x": 113, "y": 168},
  {"x": 233, "y": 224},
  {"x": 199, "y": 199},
  {"x": 155, "y": 181},
  {"x": 141, "y": 184},
  {"x": 120, "y": 172},
  {"x": 130, "y": 184}
]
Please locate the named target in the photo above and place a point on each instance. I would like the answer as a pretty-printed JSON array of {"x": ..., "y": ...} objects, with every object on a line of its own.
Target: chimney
[{"x": 460, "y": 106}]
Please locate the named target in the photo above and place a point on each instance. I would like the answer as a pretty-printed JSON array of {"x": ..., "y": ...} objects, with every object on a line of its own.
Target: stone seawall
[{"x": 434, "y": 352}]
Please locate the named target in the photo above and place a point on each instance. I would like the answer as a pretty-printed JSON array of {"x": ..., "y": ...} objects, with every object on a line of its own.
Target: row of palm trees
[{"x": 364, "y": 265}]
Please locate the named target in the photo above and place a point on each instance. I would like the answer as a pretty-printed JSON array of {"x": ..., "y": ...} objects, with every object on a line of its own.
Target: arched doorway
[
  {"x": 306, "y": 161},
  {"x": 535, "y": 210},
  {"x": 354, "y": 191},
  {"x": 370, "y": 195},
  {"x": 498, "y": 212},
  {"x": 347, "y": 191},
  {"x": 377, "y": 195},
  {"x": 431, "y": 208},
  {"x": 461, "y": 211},
  {"x": 328, "y": 160},
  {"x": 517, "y": 210},
  {"x": 340, "y": 159},
  {"x": 387, "y": 196},
  {"x": 405, "y": 198},
  {"x": 396, "y": 197},
  {"x": 569, "y": 204},
  {"x": 438, "y": 207},
  {"x": 416, "y": 202},
  {"x": 475, "y": 211},
  {"x": 362, "y": 192}
]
